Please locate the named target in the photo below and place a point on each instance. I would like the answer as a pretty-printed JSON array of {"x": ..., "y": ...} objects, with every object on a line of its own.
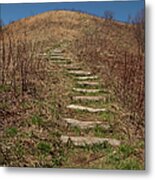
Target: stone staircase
[{"x": 88, "y": 91}]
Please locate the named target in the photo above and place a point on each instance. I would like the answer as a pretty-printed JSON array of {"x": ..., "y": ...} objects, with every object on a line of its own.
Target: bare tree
[
  {"x": 1, "y": 23},
  {"x": 139, "y": 30},
  {"x": 2, "y": 53},
  {"x": 108, "y": 15}
]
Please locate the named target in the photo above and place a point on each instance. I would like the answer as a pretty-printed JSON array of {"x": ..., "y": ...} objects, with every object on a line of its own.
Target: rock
[
  {"x": 79, "y": 72},
  {"x": 83, "y": 141},
  {"x": 57, "y": 51},
  {"x": 84, "y": 108},
  {"x": 86, "y": 90},
  {"x": 84, "y": 124},
  {"x": 86, "y": 77},
  {"x": 89, "y": 98}
]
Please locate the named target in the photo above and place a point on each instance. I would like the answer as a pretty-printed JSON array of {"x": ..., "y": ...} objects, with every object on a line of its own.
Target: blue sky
[{"x": 13, "y": 12}]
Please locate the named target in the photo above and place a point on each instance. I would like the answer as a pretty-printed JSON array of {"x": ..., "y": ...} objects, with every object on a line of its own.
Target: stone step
[
  {"x": 57, "y": 57},
  {"x": 57, "y": 51},
  {"x": 86, "y": 77},
  {"x": 88, "y": 83},
  {"x": 42, "y": 54},
  {"x": 86, "y": 90},
  {"x": 110, "y": 55},
  {"x": 84, "y": 124},
  {"x": 84, "y": 141},
  {"x": 79, "y": 72},
  {"x": 89, "y": 98},
  {"x": 85, "y": 108}
]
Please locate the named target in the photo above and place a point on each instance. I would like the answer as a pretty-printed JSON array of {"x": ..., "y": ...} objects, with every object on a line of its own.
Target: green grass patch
[
  {"x": 76, "y": 130},
  {"x": 108, "y": 116},
  {"x": 37, "y": 120},
  {"x": 96, "y": 147},
  {"x": 99, "y": 131},
  {"x": 129, "y": 164},
  {"x": 126, "y": 150},
  {"x": 5, "y": 88},
  {"x": 44, "y": 147},
  {"x": 12, "y": 131},
  {"x": 123, "y": 158}
]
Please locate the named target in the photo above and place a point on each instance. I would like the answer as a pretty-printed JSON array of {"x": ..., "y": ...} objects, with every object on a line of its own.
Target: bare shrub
[
  {"x": 109, "y": 53},
  {"x": 108, "y": 15},
  {"x": 19, "y": 65},
  {"x": 138, "y": 30}
]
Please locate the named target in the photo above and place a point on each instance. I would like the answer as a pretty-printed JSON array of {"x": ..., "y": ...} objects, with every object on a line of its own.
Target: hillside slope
[
  {"x": 66, "y": 63},
  {"x": 69, "y": 26}
]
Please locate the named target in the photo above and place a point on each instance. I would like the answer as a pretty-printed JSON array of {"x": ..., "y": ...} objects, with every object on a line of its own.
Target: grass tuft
[
  {"x": 37, "y": 120},
  {"x": 44, "y": 147},
  {"x": 12, "y": 131}
]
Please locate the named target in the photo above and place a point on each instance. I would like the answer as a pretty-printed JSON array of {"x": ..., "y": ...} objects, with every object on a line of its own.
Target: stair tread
[
  {"x": 83, "y": 141},
  {"x": 85, "y": 108},
  {"x": 84, "y": 124}
]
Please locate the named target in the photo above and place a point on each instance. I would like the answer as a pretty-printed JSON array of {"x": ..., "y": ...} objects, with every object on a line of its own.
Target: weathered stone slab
[
  {"x": 42, "y": 54},
  {"x": 89, "y": 98},
  {"x": 86, "y": 90},
  {"x": 57, "y": 50},
  {"x": 83, "y": 141},
  {"x": 79, "y": 72},
  {"x": 58, "y": 57},
  {"x": 86, "y": 77},
  {"x": 84, "y": 124},
  {"x": 84, "y": 108}
]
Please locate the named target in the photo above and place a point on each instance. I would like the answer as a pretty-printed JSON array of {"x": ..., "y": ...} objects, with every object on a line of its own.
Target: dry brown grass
[
  {"x": 110, "y": 49},
  {"x": 30, "y": 86}
]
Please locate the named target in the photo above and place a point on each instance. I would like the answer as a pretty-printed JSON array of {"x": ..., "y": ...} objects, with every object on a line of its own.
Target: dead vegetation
[
  {"x": 33, "y": 92},
  {"x": 117, "y": 53},
  {"x": 29, "y": 104}
]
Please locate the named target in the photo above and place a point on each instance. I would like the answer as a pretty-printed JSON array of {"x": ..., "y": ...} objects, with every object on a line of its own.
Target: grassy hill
[
  {"x": 34, "y": 91},
  {"x": 69, "y": 26}
]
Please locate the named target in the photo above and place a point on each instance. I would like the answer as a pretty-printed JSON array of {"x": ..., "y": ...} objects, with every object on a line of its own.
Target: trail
[{"x": 88, "y": 87}]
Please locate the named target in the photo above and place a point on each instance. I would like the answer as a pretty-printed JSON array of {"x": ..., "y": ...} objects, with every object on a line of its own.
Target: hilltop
[{"x": 70, "y": 26}]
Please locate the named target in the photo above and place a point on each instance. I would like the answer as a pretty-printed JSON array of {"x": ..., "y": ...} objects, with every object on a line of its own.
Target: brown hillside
[
  {"x": 61, "y": 65},
  {"x": 68, "y": 25}
]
